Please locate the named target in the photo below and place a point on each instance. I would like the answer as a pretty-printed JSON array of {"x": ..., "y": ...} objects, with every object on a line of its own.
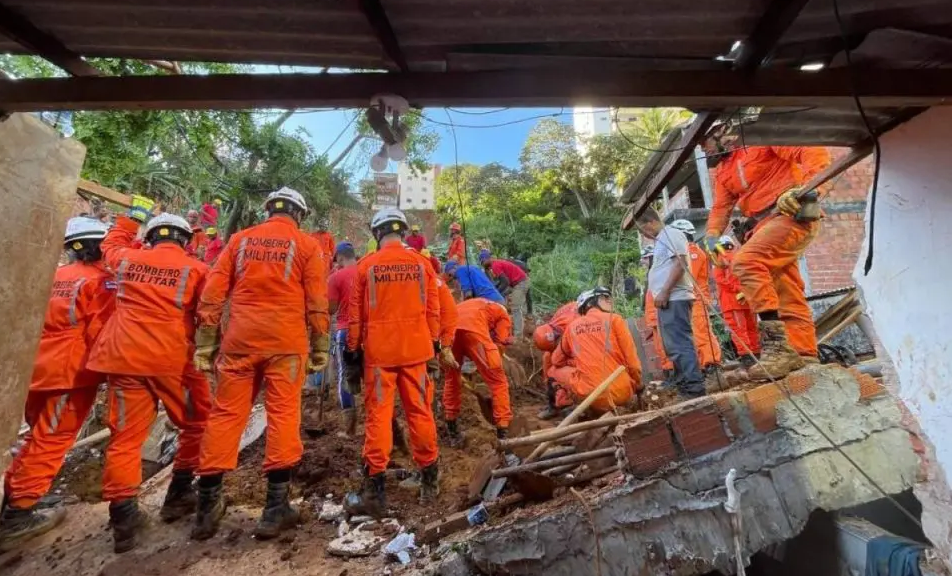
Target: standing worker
[
  {"x": 651, "y": 318},
  {"x": 546, "y": 338},
  {"x": 339, "y": 288},
  {"x": 325, "y": 240},
  {"x": 214, "y": 247},
  {"x": 274, "y": 277},
  {"x": 514, "y": 285},
  {"x": 593, "y": 346},
  {"x": 765, "y": 183},
  {"x": 199, "y": 240},
  {"x": 471, "y": 282},
  {"x": 395, "y": 327},
  {"x": 483, "y": 326},
  {"x": 145, "y": 348},
  {"x": 62, "y": 390},
  {"x": 737, "y": 313},
  {"x": 705, "y": 341},
  {"x": 416, "y": 240},
  {"x": 457, "y": 249},
  {"x": 673, "y": 296}
]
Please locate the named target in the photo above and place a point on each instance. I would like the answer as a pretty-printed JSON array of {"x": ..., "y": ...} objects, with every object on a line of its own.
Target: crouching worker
[
  {"x": 275, "y": 278},
  {"x": 145, "y": 349},
  {"x": 62, "y": 391},
  {"x": 546, "y": 338},
  {"x": 482, "y": 327},
  {"x": 593, "y": 346},
  {"x": 394, "y": 327}
]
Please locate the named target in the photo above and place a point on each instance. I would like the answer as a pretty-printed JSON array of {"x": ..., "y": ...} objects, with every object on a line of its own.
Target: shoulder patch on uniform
[{"x": 110, "y": 284}]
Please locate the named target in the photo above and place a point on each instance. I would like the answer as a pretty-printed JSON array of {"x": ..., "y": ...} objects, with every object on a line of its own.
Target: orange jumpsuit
[
  {"x": 457, "y": 250},
  {"x": 395, "y": 319},
  {"x": 766, "y": 265},
  {"x": 146, "y": 350},
  {"x": 275, "y": 277},
  {"x": 483, "y": 325},
  {"x": 197, "y": 244},
  {"x": 559, "y": 322},
  {"x": 651, "y": 320},
  {"x": 62, "y": 391},
  {"x": 593, "y": 346},
  {"x": 449, "y": 315},
  {"x": 326, "y": 241},
  {"x": 705, "y": 341},
  {"x": 737, "y": 313}
]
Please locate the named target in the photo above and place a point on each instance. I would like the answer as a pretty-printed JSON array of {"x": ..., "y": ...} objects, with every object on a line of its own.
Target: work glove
[
  {"x": 206, "y": 347},
  {"x": 141, "y": 209},
  {"x": 433, "y": 363},
  {"x": 319, "y": 356},
  {"x": 447, "y": 358},
  {"x": 788, "y": 204},
  {"x": 711, "y": 245},
  {"x": 740, "y": 297}
]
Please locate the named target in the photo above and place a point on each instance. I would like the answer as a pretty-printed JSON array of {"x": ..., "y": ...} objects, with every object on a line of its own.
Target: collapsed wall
[{"x": 669, "y": 517}]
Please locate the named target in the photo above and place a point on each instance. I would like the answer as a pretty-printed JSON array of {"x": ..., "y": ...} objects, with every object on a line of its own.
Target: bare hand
[{"x": 661, "y": 300}]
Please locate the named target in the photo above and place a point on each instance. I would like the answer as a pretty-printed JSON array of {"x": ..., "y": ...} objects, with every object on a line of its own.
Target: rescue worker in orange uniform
[
  {"x": 199, "y": 240},
  {"x": 275, "y": 278},
  {"x": 483, "y": 327},
  {"x": 592, "y": 347},
  {"x": 62, "y": 391},
  {"x": 546, "y": 338},
  {"x": 394, "y": 330},
  {"x": 326, "y": 240},
  {"x": 737, "y": 313},
  {"x": 145, "y": 349},
  {"x": 765, "y": 182},
  {"x": 651, "y": 318},
  {"x": 457, "y": 250},
  {"x": 705, "y": 341}
]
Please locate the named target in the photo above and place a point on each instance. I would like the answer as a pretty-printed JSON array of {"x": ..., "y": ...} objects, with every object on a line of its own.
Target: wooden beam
[
  {"x": 377, "y": 18},
  {"x": 774, "y": 22},
  {"x": 19, "y": 29},
  {"x": 684, "y": 149},
  {"x": 107, "y": 194},
  {"x": 701, "y": 90}
]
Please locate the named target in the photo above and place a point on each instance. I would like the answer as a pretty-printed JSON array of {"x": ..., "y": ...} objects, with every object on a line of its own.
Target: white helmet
[
  {"x": 588, "y": 295},
  {"x": 683, "y": 225},
  {"x": 386, "y": 216},
  {"x": 168, "y": 220},
  {"x": 289, "y": 194},
  {"x": 726, "y": 240},
  {"x": 84, "y": 228}
]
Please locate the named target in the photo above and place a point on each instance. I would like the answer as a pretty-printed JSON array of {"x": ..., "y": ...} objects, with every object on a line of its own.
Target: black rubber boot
[
  {"x": 372, "y": 500},
  {"x": 429, "y": 483},
  {"x": 550, "y": 411},
  {"x": 278, "y": 514},
  {"x": 181, "y": 499},
  {"x": 456, "y": 439},
  {"x": 17, "y": 525},
  {"x": 502, "y": 433},
  {"x": 127, "y": 523},
  {"x": 211, "y": 507}
]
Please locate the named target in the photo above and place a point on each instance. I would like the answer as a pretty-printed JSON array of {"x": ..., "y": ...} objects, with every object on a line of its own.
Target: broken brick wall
[{"x": 907, "y": 296}]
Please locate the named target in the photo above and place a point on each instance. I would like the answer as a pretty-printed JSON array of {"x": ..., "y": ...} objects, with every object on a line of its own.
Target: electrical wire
[
  {"x": 323, "y": 154},
  {"x": 459, "y": 194},
  {"x": 782, "y": 385},
  {"x": 483, "y": 113},
  {"x": 869, "y": 128},
  {"x": 561, "y": 112}
]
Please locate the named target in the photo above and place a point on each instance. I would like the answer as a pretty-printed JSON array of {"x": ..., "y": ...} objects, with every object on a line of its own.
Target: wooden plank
[
  {"x": 453, "y": 523},
  {"x": 105, "y": 193},
  {"x": 701, "y": 90}
]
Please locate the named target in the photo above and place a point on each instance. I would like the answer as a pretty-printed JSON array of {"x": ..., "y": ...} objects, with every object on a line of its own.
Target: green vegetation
[{"x": 559, "y": 210}]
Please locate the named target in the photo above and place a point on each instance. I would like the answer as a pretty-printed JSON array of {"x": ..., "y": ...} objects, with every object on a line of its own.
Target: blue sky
[{"x": 479, "y": 137}]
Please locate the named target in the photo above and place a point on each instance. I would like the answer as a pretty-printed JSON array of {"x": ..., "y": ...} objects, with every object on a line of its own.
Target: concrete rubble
[{"x": 668, "y": 518}]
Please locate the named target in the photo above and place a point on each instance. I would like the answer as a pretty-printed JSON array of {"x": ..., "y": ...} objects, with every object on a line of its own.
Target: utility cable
[
  {"x": 782, "y": 385},
  {"x": 459, "y": 194}
]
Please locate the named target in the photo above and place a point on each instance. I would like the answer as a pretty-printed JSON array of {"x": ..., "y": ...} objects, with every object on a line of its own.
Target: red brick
[
  {"x": 729, "y": 406},
  {"x": 648, "y": 446},
  {"x": 700, "y": 431},
  {"x": 798, "y": 383},
  {"x": 868, "y": 386},
  {"x": 762, "y": 404}
]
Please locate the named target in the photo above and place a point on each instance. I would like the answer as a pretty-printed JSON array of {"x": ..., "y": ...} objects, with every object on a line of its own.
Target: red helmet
[
  {"x": 455, "y": 227},
  {"x": 545, "y": 337}
]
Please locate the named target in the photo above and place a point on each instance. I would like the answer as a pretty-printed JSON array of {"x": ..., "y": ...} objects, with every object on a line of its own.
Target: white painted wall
[
  {"x": 909, "y": 289},
  {"x": 417, "y": 188}
]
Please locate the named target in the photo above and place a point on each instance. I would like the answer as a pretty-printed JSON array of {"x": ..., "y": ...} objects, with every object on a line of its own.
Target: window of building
[
  {"x": 409, "y": 201},
  {"x": 423, "y": 201}
]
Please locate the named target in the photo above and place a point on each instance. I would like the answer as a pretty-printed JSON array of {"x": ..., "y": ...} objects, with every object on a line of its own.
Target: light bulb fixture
[
  {"x": 397, "y": 152},
  {"x": 379, "y": 161},
  {"x": 812, "y": 67}
]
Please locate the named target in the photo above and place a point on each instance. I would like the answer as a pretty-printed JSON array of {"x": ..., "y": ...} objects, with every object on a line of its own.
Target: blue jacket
[{"x": 473, "y": 280}]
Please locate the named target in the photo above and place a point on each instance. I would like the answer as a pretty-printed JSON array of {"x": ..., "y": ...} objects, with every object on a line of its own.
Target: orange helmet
[
  {"x": 455, "y": 227},
  {"x": 545, "y": 337}
]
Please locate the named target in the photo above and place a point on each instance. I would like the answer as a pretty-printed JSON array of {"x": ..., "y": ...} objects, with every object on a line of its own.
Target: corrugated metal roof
[{"x": 458, "y": 34}]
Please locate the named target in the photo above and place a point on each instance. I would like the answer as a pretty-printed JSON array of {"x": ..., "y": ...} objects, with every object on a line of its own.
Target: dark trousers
[{"x": 675, "y": 324}]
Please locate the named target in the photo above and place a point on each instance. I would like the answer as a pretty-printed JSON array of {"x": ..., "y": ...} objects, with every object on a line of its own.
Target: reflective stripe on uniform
[
  {"x": 294, "y": 369},
  {"x": 378, "y": 385},
  {"x": 742, "y": 176},
  {"x": 289, "y": 262},
  {"x": 372, "y": 286},
  {"x": 240, "y": 260},
  {"x": 180, "y": 291},
  {"x": 119, "y": 280},
  {"x": 422, "y": 278},
  {"x": 120, "y": 409},
  {"x": 608, "y": 335},
  {"x": 72, "y": 302},
  {"x": 58, "y": 412}
]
